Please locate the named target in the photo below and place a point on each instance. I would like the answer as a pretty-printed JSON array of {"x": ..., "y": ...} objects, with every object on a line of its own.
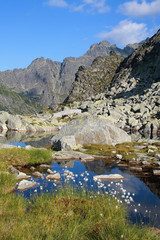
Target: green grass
[
  {"x": 66, "y": 215},
  {"x": 23, "y": 157},
  {"x": 127, "y": 150}
]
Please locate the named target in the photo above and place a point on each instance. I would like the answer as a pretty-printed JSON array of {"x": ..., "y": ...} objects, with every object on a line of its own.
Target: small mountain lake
[{"x": 139, "y": 190}]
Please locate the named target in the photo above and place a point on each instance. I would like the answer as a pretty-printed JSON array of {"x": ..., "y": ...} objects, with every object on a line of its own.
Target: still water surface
[{"x": 140, "y": 193}]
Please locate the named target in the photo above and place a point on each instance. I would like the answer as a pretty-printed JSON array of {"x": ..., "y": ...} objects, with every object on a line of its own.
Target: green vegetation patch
[
  {"x": 21, "y": 157},
  {"x": 127, "y": 150},
  {"x": 67, "y": 215}
]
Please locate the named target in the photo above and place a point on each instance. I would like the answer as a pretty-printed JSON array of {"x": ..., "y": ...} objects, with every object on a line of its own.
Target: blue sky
[{"x": 57, "y": 29}]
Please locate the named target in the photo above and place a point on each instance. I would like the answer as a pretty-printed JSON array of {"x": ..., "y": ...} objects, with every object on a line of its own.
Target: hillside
[
  {"x": 140, "y": 71},
  {"x": 12, "y": 102},
  {"x": 95, "y": 79},
  {"x": 48, "y": 82},
  {"x": 132, "y": 100}
]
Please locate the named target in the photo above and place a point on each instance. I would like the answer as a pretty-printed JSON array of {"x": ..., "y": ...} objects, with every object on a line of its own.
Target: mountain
[
  {"x": 47, "y": 82},
  {"x": 12, "y": 102},
  {"x": 132, "y": 99},
  {"x": 90, "y": 81},
  {"x": 140, "y": 72}
]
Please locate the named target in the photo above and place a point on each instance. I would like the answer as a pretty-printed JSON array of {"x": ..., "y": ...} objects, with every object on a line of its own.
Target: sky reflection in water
[{"x": 143, "y": 204}]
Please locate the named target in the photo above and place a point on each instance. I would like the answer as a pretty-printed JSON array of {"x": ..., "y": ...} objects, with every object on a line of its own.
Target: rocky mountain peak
[
  {"x": 92, "y": 80},
  {"x": 139, "y": 71},
  {"x": 48, "y": 82}
]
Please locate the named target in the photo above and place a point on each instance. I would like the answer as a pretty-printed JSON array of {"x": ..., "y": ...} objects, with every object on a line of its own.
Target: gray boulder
[
  {"x": 25, "y": 184},
  {"x": 109, "y": 177},
  {"x": 88, "y": 130}
]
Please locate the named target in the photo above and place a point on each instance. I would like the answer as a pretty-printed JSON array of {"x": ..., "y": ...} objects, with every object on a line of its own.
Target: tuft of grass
[
  {"x": 65, "y": 215},
  {"x": 23, "y": 157}
]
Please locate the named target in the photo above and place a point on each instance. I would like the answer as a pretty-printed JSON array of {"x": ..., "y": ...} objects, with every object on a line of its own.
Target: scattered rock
[
  {"x": 28, "y": 147},
  {"x": 138, "y": 169},
  {"x": 22, "y": 176},
  {"x": 157, "y": 163},
  {"x": 55, "y": 176},
  {"x": 24, "y": 184},
  {"x": 157, "y": 156},
  {"x": 13, "y": 170},
  {"x": 156, "y": 172},
  {"x": 108, "y": 177},
  {"x": 37, "y": 174},
  {"x": 32, "y": 168},
  {"x": 119, "y": 156},
  {"x": 145, "y": 163},
  {"x": 67, "y": 113},
  {"x": 45, "y": 166},
  {"x": 49, "y": 171}
]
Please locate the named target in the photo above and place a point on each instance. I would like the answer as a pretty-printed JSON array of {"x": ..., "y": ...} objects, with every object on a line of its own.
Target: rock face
[
  {"x": 47, "y": 82},
  {"x": 132, "y": 100},
  {"x": 88, "y": 130},
  {"x": 95, "y": 79},
  {"x": 140, "y": 72}
]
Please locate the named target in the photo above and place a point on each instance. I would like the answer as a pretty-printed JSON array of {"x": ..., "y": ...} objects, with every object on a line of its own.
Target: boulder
[
  {"x": 45, "y": 166},
  {"x": 109, "y": 177},
  {"x": 156, "y": 172},
  {"x": 49, "y": 171},
  {"x": 13, "y": 170},
  {"x": 22, "y": 176},
  {"x": 88, "y": 130},
  {"x": 55, "y": 176},
  {"x": 37, "y": 174},
  {"x": 15, "y": 123},
  {"x": 24, "y": 184}
]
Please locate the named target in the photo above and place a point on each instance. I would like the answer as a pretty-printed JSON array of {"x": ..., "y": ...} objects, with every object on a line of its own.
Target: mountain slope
[
  {"x": 48, "y": 82},
  {"x": 95, "y": 79},
  {"x": 139, "y": 71},
  {"x": 12, "y": 102},
  {"x": 132, "y": 100}
]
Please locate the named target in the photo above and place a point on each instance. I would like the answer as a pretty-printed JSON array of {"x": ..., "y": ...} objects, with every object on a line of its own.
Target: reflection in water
[
  {"x": 42, "y": 139},
  {"x": 35, "y": 139},
  {"x": 139, "y": 192}
]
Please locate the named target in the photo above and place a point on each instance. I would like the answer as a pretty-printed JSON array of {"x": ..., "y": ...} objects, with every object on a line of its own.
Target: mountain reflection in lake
[
  {"x": 35, "y": 139},
  {"x": 140, "y": 191},
  {"x": 43, "y": 139}
]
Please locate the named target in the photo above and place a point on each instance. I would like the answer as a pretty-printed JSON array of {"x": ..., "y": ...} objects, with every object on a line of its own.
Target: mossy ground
[{"x": 127, "y": 150}]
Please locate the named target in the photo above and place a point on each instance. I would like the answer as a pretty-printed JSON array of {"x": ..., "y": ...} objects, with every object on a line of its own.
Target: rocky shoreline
[{"x": 142, "y": 158}]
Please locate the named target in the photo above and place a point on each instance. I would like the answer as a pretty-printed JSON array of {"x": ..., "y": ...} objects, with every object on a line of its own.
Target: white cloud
[
  {"x": 99, "y": 5},
  {"x": 57, "y": 3},
  {"x": 136, "y": 9},
  {"x": 90, "y": 6},
  {"x": 125, "y": 32}
]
